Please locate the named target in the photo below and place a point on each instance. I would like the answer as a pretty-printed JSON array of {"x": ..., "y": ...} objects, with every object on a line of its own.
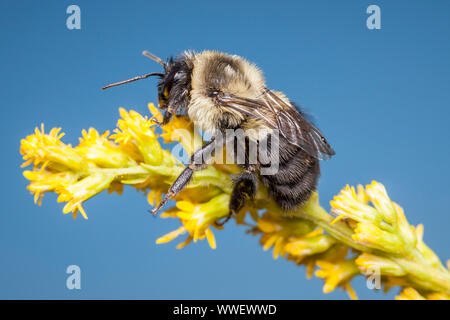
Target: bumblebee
[{"x": 219, "y": 92}]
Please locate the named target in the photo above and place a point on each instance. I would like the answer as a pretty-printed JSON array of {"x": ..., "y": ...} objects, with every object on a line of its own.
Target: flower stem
[{"x": 314, "y": 212}]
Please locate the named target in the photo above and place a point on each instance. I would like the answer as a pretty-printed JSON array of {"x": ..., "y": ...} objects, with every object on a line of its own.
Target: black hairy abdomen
[{"x": 296, "y": 178}]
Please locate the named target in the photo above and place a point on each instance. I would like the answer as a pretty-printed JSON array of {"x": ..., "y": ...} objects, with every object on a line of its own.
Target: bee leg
[
  {"x": 166, "y": 119},
  {"x": 245, "y": 186},
  {"x": 181, "y": 181},
  {"x": 198, "y": 162}
]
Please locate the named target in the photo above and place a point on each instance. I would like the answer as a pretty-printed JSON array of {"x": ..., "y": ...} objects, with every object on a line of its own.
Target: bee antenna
[
  {"x": 154, "y": 58},
  {"x": 145, "y": 76}
]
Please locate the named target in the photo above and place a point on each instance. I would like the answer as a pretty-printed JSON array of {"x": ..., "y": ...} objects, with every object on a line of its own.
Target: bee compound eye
[{"x": 213, "y": 93}]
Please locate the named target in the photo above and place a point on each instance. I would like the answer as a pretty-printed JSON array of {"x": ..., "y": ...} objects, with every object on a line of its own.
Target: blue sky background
[{"x": 381, "y": 98}]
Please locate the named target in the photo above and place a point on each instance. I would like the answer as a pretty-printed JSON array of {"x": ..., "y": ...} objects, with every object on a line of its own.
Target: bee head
[{"x": 175, "y": 85}]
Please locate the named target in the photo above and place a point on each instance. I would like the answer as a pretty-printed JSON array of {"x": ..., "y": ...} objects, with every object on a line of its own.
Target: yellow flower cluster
[
  {"x": 392, "y": 247},
  {"x": 368, "y": 234},
  {"x": 132, "y": 155},
  {"x": 303, "y": 242}
]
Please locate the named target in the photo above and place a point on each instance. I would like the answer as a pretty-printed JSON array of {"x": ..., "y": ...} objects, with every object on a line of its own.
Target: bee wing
[{"x": 283, "y": 116}]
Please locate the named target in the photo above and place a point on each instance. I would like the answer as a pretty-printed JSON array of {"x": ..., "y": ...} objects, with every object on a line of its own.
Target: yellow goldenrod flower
[
  {"x": 102, "y": 151},
  {"x": 310, "y": 244},
  {"x": 409, "y": 294},
  {"x": 75, "y": 194},
  {"x": 291, "y": 236},
  {"x": 412, "y": 294},
  {"x": 366, "y": 220},
  {"x": 97, "y": 163},
  {"x": 381, "y": 226},
  {"x": 338, "y": 273},
  {"x": 198, "y": 219},
  {"x": 372, "y": 236},
  {"x": 393, "y": 246},
  {"x": 378, "y": 197},
  {"x": 47, "y": 149},
  {"x": 351, "y": 205},
  {"x": 136, "y": 135},
  {"x": 42, "y": 181},
  {"x": 438, "y": 296},
  {"x": 385, "y": 266},
  {"x": 182, "y": 131}
]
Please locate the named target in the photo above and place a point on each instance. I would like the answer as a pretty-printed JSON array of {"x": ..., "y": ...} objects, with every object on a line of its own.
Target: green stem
[
  {"x": 338, "y": 230},
  {"x": 425, "y": 276},
  {"x": 121, "y": 172}
]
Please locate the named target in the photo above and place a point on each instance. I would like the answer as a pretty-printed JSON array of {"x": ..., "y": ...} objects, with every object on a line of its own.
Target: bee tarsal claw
[
  {"x": 221, "y": 223},
  {"x": 156, "y": 121}
]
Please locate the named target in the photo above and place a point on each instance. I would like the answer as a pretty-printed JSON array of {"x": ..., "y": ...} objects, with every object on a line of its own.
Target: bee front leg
[
  {"x": 166, "y": 119},
  {"x": 245, "y": 186},
  {"x": 198, "y": 162}
]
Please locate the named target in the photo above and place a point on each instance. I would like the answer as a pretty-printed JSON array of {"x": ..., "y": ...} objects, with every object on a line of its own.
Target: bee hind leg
[{"x": 245, "y": 186}]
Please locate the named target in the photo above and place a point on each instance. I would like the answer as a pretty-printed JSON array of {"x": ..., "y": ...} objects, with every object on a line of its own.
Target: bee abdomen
[{"x": 294, "y": 182}]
